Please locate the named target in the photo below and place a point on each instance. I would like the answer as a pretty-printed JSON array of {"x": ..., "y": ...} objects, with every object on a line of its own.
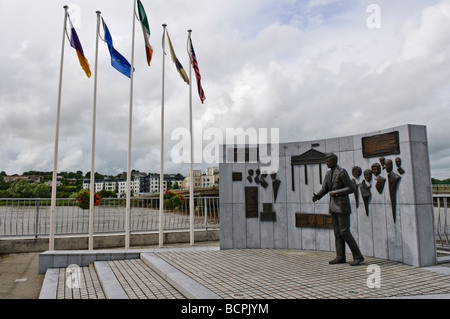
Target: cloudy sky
[{"x": 312, "y": 68}]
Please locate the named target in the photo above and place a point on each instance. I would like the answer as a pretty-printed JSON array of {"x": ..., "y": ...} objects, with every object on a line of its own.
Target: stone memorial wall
[{"x": 392, "y": 213}]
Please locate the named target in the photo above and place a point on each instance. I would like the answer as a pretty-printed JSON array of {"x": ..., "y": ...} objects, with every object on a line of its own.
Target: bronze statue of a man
[{"x": 338, "y": 185}]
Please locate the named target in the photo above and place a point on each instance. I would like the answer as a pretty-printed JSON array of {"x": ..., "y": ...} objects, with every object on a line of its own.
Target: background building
[
  {"x": 208, "y": 179},
  {"x": 141, "y": 184}
]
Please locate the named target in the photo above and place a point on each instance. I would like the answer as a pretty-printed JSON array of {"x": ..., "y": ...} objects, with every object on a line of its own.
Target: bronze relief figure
[
  {"x": 258, "y": 173},
  {"x": 275, "y": 186},
  {"x": 250, "y": 176},
  {"x": 398, "y": 163},
  {"x": 356, "y": 172},
  {"x": 364, "y": 187},
  {"x": 263, "y": 181},
  {"x": 393, "y": 184},
  {"x": 376, "y": 171}
]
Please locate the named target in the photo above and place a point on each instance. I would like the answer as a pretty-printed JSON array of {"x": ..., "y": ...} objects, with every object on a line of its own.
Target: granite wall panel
[{"x": 410, "y": 239}]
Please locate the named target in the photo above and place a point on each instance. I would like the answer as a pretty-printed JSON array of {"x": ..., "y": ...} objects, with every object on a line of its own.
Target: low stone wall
[{"x": 27, "y": 245}]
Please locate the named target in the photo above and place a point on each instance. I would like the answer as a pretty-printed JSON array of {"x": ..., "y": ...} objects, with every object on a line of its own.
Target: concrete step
[
  {"x": 187, "y": 286},
  {"x": 72, "y": 283},
  {"x": 138, "y": 275},
  {"x": 133, "y": 279}
]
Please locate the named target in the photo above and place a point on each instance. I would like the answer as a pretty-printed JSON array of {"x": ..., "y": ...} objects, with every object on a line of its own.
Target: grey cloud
[{"x": 313, "y": 74}]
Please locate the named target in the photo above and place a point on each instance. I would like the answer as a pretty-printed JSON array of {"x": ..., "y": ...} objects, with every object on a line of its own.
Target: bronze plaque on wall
[
  {"x": 237, "y": 176},
  {"x": 268, "y": 217},
  {"x": 381, "y": 145},
  {"x": 324, "y": 221},
  {"x": 313, "y": 220},
  {"x": 251, "y": 202}
]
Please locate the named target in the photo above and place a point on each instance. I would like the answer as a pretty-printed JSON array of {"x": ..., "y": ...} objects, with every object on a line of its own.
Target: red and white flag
[{"x": 193, "y": 59}]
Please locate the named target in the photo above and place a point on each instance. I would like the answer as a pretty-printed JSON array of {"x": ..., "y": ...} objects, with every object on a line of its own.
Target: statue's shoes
[
  {"x": 337, "y": 261},
  {"x": 357, "y": 261}
]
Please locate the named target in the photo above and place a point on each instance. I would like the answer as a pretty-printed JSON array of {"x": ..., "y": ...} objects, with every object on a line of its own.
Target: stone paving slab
[
  {"x": 140, "y": 282},
  {"x": 88, "y": 287},
  {"x": 186, "y": 285},
  {"x": 286, "y": 274}
]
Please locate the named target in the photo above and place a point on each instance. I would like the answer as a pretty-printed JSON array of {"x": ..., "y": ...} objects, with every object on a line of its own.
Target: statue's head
[
  {"x": 388, "y": 165},
  {"x": 376, "y": 169},
  {"x": 356, "y": 171},
  {"x": 331, "y": 160},
  {"x": 368, "y": 175}
]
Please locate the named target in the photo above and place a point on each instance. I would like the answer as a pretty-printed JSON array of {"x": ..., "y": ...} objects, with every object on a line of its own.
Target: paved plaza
[{"x": 206, "y": 272}]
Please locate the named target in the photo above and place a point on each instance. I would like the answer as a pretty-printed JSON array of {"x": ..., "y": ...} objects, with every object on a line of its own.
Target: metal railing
[
  {"x": 441, "y": 188},
  {"x": 21, "y": 217},
  {"x": 442, "y": 219}
]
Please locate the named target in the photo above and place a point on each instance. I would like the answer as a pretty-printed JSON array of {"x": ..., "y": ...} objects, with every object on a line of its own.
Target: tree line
[
  {"x": 26, "y": 189},
  {"x": 71, "y": 184},
  {"x": 434, "y": 180}
]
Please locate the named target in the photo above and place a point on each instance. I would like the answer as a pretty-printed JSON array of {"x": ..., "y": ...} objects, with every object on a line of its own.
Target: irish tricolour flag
[{"x": 146, "y": 30}]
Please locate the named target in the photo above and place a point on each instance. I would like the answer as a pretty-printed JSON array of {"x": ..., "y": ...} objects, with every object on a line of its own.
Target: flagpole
[
  {"x": 94, "y": 119},
  {"x": 161, "y": 174},
  {"x": 191, "y": 164},
  {"x": 55, "y": 158},
  {"x": 128, "y": 202}
]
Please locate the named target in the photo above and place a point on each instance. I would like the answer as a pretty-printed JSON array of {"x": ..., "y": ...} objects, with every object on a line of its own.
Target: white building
[
  {"x": 154, "y": 185},
  {"x": 118, "y": 186},
  {"x": 122, "y": 186},
  {"x": 139, "y": 184},
  {"x": 209, "y": 179}
]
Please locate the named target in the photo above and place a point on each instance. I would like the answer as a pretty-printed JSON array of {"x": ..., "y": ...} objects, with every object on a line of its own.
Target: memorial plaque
[
  {"x": 251, "y": 202},
  {"x": 268, "y": 216},
  {"x": 313, "y": 220},
  {"x": 237, "y": 176},
  {"x": 324, "y": 221},
  {"x": 305, "y": 220},
  {"x": 381, "y": 145}
]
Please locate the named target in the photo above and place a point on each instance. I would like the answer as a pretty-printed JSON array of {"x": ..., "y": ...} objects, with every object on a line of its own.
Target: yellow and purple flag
[
  {"x": 177, "y": 63},
  {"x": 146, "y": 30},
  {"x": 76, "y": 44}
]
